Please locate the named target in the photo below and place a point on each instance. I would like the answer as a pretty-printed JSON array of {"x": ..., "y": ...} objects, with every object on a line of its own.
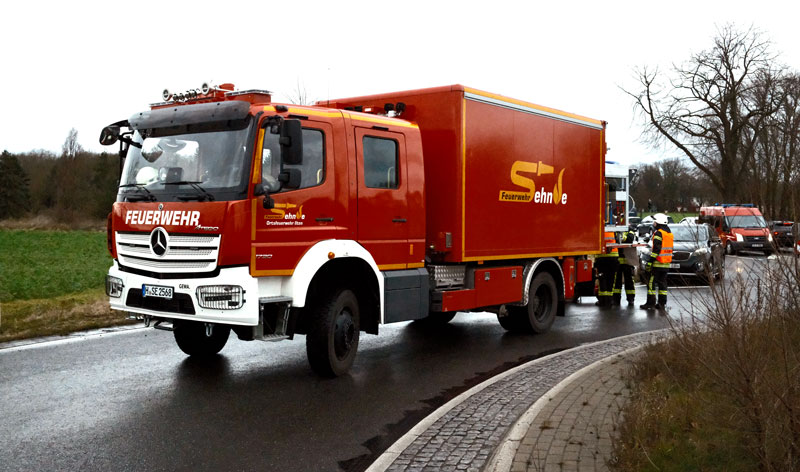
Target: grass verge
[
  {"x": 22, "y": 319},
  {"x": 51, "y": 283},
  {"x": 724, "y": 392}
]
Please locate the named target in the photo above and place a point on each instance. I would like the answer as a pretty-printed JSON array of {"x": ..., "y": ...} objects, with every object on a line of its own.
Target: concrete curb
[
  {"x": 393, "y": 452},
  {"x": 503, "y": 458}
]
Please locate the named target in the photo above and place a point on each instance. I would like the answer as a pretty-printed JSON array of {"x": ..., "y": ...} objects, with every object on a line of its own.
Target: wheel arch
[
  {"x": 317, "y": 272},
  {"x": 550, "y": 266}
]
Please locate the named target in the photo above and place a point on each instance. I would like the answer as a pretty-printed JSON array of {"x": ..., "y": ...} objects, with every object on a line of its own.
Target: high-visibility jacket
[
  {"x": 663, "y": 242},
  {"x": 608, "y": 238}
]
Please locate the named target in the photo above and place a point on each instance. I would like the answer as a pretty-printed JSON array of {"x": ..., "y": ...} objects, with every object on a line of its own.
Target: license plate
[
  {"x": 674, "y": 266},
  {"x": 758, "y": 245},
  {"x": 157, "y": 291}
]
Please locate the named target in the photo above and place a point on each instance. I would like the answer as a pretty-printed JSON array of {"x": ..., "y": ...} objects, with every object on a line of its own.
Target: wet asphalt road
[{"x": 133, "y": 401}]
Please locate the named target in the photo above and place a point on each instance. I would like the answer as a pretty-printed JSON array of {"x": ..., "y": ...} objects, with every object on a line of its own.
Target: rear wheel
[
  {"x": 193, "y": 339},
  {"x": 540, "y": 312},
  {"x": 333, "y": 334}
]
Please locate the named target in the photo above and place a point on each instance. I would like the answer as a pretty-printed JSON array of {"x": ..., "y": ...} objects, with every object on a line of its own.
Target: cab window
[
  {"x": 380, "y": 162},
  {"x": 312, "y": 170}
]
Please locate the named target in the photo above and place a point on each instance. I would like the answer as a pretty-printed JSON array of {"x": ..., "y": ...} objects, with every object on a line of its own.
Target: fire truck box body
[
  {"x": 465, "y": 201},
  {"x": 504, "y": 179}
]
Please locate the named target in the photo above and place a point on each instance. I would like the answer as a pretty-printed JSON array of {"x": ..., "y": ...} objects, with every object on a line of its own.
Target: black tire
[
  {"x": 512, "y": 321},
  {"x": 437, "y": 318},
  {"x": 191, "y": 338},
  {"x": 540, "y": 312},
  {"x": 332, "y": 339},
  {"x": 729, "y": 250}
]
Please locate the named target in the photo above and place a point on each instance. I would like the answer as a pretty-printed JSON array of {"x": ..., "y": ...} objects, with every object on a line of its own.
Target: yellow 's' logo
[
  {"x": 557, "y": 196},
  {"x": 281, "y": 212}
]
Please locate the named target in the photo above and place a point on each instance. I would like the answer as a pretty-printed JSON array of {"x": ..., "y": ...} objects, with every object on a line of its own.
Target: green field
[
  {"x": 52, "y": 282},
  {"x": 47, "y": 264}
]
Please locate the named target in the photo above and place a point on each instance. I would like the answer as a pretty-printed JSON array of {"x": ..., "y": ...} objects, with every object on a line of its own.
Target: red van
[{"x": 740, "y": 227}]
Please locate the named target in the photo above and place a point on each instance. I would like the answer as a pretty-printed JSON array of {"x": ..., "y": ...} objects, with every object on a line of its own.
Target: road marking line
[{"x": 73, "y": 338}]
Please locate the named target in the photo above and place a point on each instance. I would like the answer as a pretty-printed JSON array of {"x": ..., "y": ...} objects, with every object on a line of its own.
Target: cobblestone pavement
[
  {"x": 574, "y": 428},
  {"x": 464, "y": 433}
]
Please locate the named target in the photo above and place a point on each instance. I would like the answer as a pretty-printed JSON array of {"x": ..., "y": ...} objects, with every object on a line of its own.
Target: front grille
[
  {"x": 180, "y": 302},
  {"x": 755, "y": 239},
  {"x": 681, "y": 256},
  {"x": 184, "y": 252}
]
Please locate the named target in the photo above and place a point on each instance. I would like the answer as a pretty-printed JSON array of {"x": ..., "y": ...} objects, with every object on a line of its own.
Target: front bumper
[
  {"x": 184, "y": 300},
  {"x": 750, "y": 246}
]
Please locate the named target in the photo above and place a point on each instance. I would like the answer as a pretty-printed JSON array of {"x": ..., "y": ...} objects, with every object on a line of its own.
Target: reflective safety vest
[
  {"x": 608, "y": 238},
  {"x": 665, "y": 256}
]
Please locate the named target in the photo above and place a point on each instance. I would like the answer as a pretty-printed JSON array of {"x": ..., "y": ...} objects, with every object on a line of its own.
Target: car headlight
[
  {"x": 739, "y": 237},
  {"x": 769, "y": 237},
  {"x": 701, "y": 251}
]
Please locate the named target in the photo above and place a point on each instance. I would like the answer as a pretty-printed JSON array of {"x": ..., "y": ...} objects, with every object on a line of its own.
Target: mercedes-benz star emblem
[
  {"x": 160, "y": 206},
  {"x": 159, "y": 241}
]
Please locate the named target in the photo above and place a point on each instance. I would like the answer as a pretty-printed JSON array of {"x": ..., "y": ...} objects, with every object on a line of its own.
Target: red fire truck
[{"x": 238, "y": 214}]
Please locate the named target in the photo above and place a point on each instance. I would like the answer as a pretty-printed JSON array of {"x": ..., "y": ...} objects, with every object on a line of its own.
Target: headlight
[
  {"x": 220, "y": 297},
  {"x": 739, "y": 237},
  {"x": 701, "y": 251},
  {"x": 114, "y": 286},
  {"x": 769, "y": 236}
]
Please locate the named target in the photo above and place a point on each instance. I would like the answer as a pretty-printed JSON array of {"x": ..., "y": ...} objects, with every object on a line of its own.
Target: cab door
[{"x": 382, "y": 191}]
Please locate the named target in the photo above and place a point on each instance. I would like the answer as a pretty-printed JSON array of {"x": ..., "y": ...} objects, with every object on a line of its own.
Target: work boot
[
  {"x": 615, "y": 301},
  {"x": 630, "y": 302},
  {"x": 648, "y": 306}
]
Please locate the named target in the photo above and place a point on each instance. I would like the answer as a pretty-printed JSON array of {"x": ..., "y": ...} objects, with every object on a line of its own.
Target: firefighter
[
  {"x": 625, "y": 270},
  {"x": 658, "y": 266},
  {"x": 606, "y": 264}
]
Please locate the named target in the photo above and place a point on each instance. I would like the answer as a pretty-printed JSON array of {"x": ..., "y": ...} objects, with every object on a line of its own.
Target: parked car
[
  {"x": 782, "y": 234},
  {"x": 689, "y": 220},
  {"x": 697, "y": 252}
]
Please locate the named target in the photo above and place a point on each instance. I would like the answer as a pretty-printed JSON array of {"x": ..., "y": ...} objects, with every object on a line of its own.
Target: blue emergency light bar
[{"x": 727, "y": 205}]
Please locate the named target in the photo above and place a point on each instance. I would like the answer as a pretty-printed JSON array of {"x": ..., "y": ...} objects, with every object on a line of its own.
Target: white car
[{"x": 689, "y": 220}]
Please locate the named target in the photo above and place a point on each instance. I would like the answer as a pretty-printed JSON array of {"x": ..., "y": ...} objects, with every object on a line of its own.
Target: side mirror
[
  {"x": 291, "y": 142},
  {"x": 290, "y": 178},
  {"x": 109, "y": 135}
]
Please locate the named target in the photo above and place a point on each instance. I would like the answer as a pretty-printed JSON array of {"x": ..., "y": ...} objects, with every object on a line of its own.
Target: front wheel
[
  {"x": 332, "y": 339},
  {"x": 194, "y": 340},
  {"x": 729, "y": 250}
]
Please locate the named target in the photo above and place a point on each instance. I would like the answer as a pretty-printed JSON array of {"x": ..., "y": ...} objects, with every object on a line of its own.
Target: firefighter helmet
[{"x": 661, "y": 219}]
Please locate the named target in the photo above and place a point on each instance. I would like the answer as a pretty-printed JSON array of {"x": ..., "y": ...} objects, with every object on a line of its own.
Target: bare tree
[
  {"x": 709, "y": 109},
  {"x": 71, "y": 148},
  {"x": 299, "y": 96}
]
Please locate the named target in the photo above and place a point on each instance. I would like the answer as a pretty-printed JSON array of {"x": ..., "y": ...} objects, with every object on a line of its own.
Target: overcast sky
[{"x": 84, "y": 65}]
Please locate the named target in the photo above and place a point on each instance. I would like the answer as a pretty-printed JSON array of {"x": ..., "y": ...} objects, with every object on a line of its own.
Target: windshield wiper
[
  {"x": 196, "y": 185},
  {"x": 147, "y": 195}
]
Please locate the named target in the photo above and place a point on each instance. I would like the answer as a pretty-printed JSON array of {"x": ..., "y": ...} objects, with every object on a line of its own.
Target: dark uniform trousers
[
  {"x": 624, "y": 273},
  {"x": 607, "y": 268}
]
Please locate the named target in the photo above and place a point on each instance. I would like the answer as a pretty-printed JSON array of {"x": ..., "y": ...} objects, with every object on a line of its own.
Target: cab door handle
[
  {"x": 328, "y": 218},
  {"x": 398, "y": 220}
]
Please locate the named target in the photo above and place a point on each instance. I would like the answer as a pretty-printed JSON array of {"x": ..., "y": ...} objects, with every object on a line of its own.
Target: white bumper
[{"x": 246, "y": 315}]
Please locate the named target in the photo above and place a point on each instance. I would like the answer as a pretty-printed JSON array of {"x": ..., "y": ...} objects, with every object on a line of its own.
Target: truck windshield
[
  {"x": 746, "y": 221},
  {"x": 205, "y": 165}
]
